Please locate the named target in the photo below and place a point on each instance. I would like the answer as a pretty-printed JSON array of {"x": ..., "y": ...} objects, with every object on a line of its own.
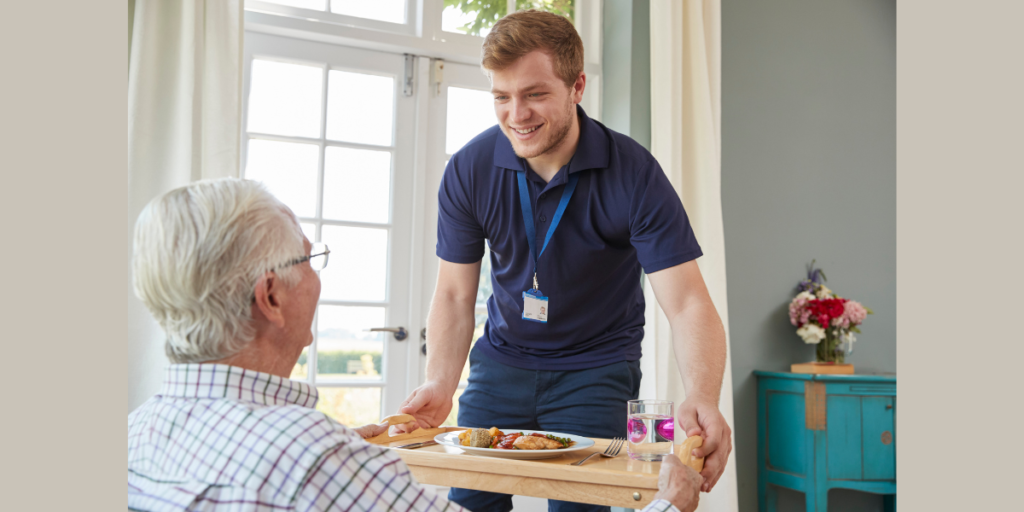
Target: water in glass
[{"x": 650, "y": 429}]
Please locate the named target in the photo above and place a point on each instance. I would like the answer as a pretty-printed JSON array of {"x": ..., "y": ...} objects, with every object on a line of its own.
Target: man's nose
[{"x": 520, "y": 111}]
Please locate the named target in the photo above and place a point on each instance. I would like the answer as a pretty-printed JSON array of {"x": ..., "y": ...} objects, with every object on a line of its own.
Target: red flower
[{"x": 824, "y": 310}]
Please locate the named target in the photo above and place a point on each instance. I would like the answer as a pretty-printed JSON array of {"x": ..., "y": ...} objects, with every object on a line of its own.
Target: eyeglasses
[{"x": 317, "y": 257}]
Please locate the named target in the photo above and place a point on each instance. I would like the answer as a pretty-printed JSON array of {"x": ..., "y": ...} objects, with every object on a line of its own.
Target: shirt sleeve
[
  {"x": 371, "y": 477},
  {"x": 659, "y": 229},
  {"x": 660, "y": 506},
  {"x": 460, "y": 238}
]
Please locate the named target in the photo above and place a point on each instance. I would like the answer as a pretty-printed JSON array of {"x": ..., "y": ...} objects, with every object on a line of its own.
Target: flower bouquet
[{"x": 824, "y": 318}]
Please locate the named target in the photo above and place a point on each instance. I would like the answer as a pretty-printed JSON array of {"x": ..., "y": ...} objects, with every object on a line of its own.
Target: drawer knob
[
  {"x": 636, "y": 496},
  {"x": 886, "y": 437},
  {"x": 888, "y": 406}
]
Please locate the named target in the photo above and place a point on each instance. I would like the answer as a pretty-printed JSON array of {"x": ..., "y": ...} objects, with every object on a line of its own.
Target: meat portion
[{"x": 536, "y": 443}]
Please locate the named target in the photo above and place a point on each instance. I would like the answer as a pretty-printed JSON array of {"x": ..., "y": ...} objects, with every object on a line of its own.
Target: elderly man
[{"x": 224, "y": 268}]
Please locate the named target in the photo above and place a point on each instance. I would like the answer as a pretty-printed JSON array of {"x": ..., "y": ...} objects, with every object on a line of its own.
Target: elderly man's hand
[
  {"x": 678, "y": 484},
  {"x": 371, "y": 430},
  {"x": 697, "y": 417}
]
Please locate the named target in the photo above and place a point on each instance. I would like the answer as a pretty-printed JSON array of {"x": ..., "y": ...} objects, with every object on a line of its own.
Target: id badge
[{"x": 535, "y": 306}]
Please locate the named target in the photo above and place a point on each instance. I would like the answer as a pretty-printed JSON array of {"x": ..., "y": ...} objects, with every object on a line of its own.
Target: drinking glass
[{"x": 650, "y": 429}]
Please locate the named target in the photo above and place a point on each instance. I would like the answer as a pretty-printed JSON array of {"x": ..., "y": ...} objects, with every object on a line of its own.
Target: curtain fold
[
  {"x": 686, "y": 140},
  {"x": 184, "y": 124}
]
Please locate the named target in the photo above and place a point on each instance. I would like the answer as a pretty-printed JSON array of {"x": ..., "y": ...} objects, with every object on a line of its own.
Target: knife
[{"x": 417, "y": 445}]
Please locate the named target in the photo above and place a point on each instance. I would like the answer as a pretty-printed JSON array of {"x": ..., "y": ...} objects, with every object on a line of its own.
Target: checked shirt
[{"x": 220, "y": 437}]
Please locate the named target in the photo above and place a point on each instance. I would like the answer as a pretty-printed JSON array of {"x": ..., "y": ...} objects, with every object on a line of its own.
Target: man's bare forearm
[
  {"x": 698, "y": 338},
  {"x": 450, "y": 325}
]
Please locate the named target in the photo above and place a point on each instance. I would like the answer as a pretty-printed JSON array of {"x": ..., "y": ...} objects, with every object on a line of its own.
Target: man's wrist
[
  {"x": 446, "y": 385},
  {"x": 703, "y": 398}
]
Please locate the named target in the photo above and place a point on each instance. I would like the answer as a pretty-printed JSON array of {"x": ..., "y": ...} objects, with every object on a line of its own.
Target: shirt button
[
  {"x": 543, "y": 218},
  {"x": 542, "y": 196}
]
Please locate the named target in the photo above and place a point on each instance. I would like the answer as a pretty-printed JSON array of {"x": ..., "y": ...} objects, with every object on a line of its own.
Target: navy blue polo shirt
[{"x": 623, "y": 217}]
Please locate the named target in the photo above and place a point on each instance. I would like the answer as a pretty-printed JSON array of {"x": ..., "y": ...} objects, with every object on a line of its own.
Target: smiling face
[{"x": 535, "y": 109}]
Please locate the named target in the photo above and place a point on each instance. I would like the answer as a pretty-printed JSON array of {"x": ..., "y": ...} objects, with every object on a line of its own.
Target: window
[{"x": 321, "y": 135}]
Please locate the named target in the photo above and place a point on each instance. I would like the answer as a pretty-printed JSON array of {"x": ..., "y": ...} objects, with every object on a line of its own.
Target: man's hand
[
  {"x": 430, "y": 404},
  {"x": 371, "y": 430},
  {"x": 704, "y": 419},
  {"x": 678, "y": 484}
]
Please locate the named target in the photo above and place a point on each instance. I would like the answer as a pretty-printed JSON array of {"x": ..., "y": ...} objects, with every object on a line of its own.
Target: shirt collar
[
  {"x": 234, "y": 383},
  {"x": 591, "y": 152}
]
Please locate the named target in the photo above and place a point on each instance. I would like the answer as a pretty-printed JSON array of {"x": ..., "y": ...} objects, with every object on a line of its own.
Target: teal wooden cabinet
[{"x": 822, "y": 432}]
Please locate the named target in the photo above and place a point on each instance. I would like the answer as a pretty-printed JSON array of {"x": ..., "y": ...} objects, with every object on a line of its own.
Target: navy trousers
[{"x": 589, "y": 403}]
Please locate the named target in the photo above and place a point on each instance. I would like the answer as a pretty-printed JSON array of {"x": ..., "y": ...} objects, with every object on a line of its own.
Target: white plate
[{"x": 452, "y": 439}]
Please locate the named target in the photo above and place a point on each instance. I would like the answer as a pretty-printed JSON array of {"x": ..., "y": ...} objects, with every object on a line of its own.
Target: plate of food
[{"x": 514, "y": 444}]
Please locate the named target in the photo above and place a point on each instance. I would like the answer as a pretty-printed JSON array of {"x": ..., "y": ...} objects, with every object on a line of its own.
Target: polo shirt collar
[{"x": 591, "y": 152}]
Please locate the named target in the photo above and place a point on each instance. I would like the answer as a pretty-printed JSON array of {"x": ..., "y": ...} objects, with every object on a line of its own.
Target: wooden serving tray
[{"x": 616, "y": 482}]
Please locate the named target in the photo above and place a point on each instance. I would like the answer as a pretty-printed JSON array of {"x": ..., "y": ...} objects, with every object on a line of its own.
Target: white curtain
[
  {"x": 686, "y": 140},
  {"x": 184, "y": 124}
]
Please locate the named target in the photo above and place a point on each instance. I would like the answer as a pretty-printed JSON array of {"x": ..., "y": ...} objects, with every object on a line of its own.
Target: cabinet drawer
[{"x": 861, "y": 388}]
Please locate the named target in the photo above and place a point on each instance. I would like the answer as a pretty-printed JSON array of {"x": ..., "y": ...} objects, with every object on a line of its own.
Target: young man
[{"x": 572, "y": 212}]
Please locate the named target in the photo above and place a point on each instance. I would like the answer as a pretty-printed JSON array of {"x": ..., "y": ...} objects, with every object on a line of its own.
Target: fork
[{"x": 612, "y": 451}]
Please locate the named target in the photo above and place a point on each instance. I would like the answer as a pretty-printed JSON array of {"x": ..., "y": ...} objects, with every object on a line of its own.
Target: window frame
[{"x": 421, "y": 35}]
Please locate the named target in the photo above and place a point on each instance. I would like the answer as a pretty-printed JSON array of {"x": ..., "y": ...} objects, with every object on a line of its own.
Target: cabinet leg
[
  {"x": 817, "y": 500},
  {"x": 889, "y": 503},
  {"x": 770, "y": 499}
]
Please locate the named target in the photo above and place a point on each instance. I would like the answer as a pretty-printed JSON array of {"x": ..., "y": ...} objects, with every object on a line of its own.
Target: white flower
[
  {"x": 804, "y": 295},
  {"x": 811, "y": 333},
  {"x": 824, "y": 292}
]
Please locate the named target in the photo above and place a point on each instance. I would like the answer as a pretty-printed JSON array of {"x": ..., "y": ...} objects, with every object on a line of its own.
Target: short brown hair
[{"x": 522, "y": 32}]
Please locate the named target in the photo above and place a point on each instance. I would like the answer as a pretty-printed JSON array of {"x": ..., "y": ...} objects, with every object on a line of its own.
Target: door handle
[{"x": 400, "y": 333}]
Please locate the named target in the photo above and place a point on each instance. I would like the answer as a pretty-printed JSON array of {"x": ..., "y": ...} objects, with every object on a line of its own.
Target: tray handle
[
  {"x": 399, "y": 419},
  {"x": 686, "y": 453}
]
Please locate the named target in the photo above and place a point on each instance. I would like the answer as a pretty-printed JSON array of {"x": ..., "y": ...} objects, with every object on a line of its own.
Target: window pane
[
  {"x": 358, "y": 269},
  {"x": 344, "y": 347},
  {"x": 383, "y": 10},
  {"x": 309, "y": 230},
  {"x": 284, "y": 99},
  {"x": 288, "y": 170},
  {"x": 318, "y": 5},
  {"x": 476, "y": 20},
  {"x": 357, "y": 185},
  {"x": 360, "y": 107},
  {"x": 559, "y": 7},
  {"x": 470, "y": 112},
  {"x": 352, "y": 407},
  {"x": 301, "y": 369}
]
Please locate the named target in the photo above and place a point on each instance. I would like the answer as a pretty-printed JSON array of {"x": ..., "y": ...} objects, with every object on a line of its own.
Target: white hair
[{"x": 199, "y": 251}]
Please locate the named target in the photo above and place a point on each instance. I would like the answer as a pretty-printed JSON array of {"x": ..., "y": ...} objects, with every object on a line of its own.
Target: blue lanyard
[{"x": 531, "y": 230}]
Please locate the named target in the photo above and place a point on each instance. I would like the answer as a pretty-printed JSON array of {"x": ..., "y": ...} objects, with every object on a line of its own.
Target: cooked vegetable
[{"x": 480, "y": 438}]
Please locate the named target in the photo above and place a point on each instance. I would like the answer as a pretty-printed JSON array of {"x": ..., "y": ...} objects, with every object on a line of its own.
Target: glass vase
[{"x": 829, "y": 350}]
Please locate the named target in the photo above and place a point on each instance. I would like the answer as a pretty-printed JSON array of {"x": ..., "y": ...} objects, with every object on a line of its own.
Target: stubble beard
[{"x": 558, "y": 134}]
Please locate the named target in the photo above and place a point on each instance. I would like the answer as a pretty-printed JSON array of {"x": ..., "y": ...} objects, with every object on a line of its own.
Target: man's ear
[
  {"x": 578, "y": 87},
  {"x": 268, "y": 298}
]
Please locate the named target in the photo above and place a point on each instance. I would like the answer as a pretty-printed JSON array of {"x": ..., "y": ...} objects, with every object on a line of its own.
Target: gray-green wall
[{"x": 808, "y": 171}]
